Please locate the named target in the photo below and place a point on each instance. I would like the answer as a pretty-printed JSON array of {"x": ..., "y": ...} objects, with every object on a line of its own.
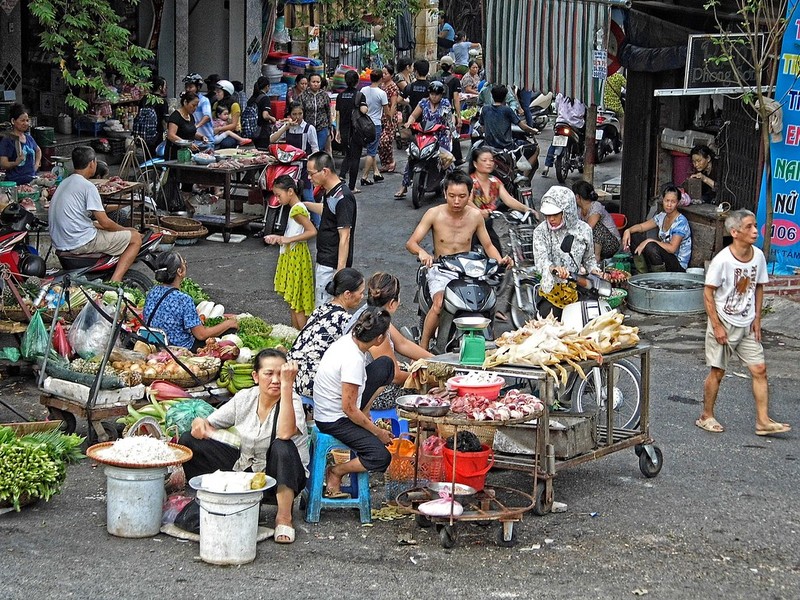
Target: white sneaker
[{"x": 546, "y": 172}]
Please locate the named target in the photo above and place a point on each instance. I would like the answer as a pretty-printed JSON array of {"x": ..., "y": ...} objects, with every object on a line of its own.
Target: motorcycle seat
[{"x": 70, "y": 260}]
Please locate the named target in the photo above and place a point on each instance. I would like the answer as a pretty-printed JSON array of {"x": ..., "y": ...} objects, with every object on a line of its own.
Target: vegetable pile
[
  {"x": 35, "y": 465},
  {"x": 195, "y": 292}
]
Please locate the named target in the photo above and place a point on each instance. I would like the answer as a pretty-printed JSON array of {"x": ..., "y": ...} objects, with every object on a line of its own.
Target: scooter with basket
[{"x": 290, "y": 161}]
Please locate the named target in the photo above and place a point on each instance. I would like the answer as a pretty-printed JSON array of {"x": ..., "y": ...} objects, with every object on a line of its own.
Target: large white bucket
[
  {"x": 134, "y": 501},
  {"x": 228, "y": 527}
]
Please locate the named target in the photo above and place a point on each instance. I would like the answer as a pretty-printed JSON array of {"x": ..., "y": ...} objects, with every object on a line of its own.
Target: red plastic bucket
[
  {"x": 278, "y": 108},
  {"x": 471, "y": 467}
]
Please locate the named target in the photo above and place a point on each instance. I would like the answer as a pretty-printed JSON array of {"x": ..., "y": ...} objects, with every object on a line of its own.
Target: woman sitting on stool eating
[{"x": 343, "y": 391}]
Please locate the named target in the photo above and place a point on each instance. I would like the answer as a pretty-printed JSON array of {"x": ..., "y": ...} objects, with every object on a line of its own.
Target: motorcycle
[
  {"x": 590, "y": 394},
  {"x": 569, "y": 144},
  {"x": 541, "y": 108},
  {"x": 607, "y": 135},
  {"x": 290, "y": 161},
  {"x": 425, "y": 164},
  {"x": 470, "y": 295}
]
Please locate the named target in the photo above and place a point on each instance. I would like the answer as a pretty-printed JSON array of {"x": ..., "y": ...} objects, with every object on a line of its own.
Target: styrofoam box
[{"x": 80, "y": 393}]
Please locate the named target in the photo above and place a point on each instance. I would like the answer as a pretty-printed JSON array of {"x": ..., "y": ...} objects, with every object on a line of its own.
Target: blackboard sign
[{"x": 704, "y": 71}]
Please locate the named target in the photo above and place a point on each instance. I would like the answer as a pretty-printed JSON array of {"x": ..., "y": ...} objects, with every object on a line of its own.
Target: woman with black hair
[
  {"x": 171, "y": 310},
  {"x": 260, "y": 100},
  {"x": 590, "y": 210},
  {"x": 20, "y": 156},
  {"x": 343, "y": 391},
  {"x": 271, "y": 425},
  {"x": 325, "y": 325},
  {"x": 703, "y": 164}
]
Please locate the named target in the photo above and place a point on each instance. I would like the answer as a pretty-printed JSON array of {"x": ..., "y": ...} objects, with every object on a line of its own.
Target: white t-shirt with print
[
  {"x": 736, "y": 285},
  {"x": 376, "y": 99},
  {"x": 342, "y": 363}
]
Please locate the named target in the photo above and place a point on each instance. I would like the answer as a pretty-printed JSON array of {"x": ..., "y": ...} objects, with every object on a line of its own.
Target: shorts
[
  {"x": 107, "y": 242},
  {"x": 438, "y": 280},
  {"x": 372, "y": 149},
  {"x": 741, "y": 341},
  {"x": 322, "y": 276}
]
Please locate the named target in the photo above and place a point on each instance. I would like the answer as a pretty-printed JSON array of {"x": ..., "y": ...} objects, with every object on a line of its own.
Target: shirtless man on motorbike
[{"x": 452, "y": 226}]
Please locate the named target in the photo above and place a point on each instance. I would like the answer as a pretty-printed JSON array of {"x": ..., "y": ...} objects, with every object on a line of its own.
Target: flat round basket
[
  {"x": 168, "y": 235},
  {"x": 181, "y": 224},
  {"x": 182, "y": 454},
  {"x": 185, "y": 381}
]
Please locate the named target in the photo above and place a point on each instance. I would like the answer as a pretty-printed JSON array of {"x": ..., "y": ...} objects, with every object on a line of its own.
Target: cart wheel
[
  {"x": 638, "y": 448},
  {"x": 109, "y": 428},
  {"x": 423, "y": 521},
  {"x": 542, "y": 506},
  {"x": 647, "y": 466},
  {"x": 448, "y": 536},
  {"x": 506, "y": 535},
  {"x": 68, "y": 422}
]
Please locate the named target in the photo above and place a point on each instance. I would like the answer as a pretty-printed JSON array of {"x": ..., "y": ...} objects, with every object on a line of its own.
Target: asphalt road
[{"x": 720, "y": 521}]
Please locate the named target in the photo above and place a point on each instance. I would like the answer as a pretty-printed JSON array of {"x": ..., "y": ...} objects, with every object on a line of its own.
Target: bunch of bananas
[
  {"x": 157, "y": 410},
  {"x": 561, "y": 294},
  {"x": 236, "y": 376}
]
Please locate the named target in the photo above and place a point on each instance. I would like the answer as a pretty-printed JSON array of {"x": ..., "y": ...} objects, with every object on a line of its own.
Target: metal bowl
[
  {"x": 472, "y": 322},
  {"x": 407, "y": 403},
  {"x": 459, "y": 491}
]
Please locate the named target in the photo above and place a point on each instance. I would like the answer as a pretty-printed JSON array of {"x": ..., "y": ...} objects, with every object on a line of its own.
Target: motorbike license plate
[
  {"x": 560, "y": 141},
  {"x": 598, "y": 134}
]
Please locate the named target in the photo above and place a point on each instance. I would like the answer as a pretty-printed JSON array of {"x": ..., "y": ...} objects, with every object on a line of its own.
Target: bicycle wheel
[
  {"x": 524, "y": 310},
  {"x": 627, "y": 402}
]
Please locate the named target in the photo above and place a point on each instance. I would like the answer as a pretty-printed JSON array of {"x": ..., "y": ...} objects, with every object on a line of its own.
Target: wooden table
[
  {"x": 132, "y": 195},
  {"x": 225, "y": 178},
  {"x": 708, "y": 231}
]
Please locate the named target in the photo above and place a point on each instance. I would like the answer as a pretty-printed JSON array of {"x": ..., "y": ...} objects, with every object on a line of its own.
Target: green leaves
[{"x": 87, "y": 38}]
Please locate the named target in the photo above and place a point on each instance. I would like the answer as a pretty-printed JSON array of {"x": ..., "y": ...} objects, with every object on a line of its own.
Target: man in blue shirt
[
  {"x": 497, "y": 120},
  {"x": 447, "y": 36}
]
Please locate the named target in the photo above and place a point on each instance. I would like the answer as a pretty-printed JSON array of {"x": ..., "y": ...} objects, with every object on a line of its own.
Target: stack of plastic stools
[
  {"x": 398, "y": 425},
  {"x": 358, "y": 489}
]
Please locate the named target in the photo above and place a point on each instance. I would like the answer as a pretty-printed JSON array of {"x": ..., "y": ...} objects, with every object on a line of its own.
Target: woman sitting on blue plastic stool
[{"x": 343, "y": 392}]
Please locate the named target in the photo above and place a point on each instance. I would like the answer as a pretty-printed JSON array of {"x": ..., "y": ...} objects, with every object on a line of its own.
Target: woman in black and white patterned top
[{"x": 325, "y": 325}]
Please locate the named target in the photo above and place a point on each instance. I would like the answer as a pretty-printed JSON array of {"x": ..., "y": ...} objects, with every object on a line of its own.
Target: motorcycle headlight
[
  {"x": 428, "y": 151},
  {"x": 413, "y": 151},
  {"x": 474, "y": 269}
]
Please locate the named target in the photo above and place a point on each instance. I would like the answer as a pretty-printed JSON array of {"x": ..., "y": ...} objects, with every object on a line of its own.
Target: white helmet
[{"x": 225, "y": 85}]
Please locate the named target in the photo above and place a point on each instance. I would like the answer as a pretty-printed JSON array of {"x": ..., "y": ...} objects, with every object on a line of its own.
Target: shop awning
[{"x": 545, "y": 44}]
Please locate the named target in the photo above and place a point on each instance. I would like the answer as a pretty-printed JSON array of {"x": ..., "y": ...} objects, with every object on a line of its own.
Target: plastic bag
[
  {"x": 90, "y": 332},
  {"x": 60, "y": 341},
  {"x": 182, "y": 414},
  {"x": 34, "y": 343},
  {"x": 10, "y": 353}
]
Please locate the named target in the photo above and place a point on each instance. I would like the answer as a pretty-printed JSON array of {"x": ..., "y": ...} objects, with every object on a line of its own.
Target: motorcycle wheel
[
  {"x": 418, "y": 188},
  {"x": 602, "y": 149},
  {"x": 562, "y": 164},
  {"x": 541, "y": 122},
  {"x": 524, "y": 311},
  {"x": 269, "y": 223},
  {"x": 627, "y": 395},
  {"x": 138, "y": 280}
]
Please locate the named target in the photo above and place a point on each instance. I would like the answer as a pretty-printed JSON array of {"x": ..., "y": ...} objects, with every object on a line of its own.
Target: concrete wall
[{"x": 11, "y": 43}]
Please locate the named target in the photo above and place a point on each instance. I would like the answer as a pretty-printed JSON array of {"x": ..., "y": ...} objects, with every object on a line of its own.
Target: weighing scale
[{"x": 473, "y": 342}]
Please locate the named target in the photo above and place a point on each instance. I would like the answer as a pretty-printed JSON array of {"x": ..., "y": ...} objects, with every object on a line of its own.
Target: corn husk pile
[
  {"x": 424, "y": 375},
  {"x": 546, "y": 343}
]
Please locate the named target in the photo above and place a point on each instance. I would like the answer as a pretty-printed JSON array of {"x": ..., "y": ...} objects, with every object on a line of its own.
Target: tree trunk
[{"x": 765, "y": 142}]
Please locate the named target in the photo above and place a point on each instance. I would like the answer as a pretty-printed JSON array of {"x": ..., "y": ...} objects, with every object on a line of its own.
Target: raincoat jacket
[{"x": 547, "y": 242}]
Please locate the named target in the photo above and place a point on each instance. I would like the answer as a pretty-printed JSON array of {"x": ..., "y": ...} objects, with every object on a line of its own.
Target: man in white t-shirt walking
[
  {"x": 377, "y": 106},
  {"x": 733, "y": 295}
]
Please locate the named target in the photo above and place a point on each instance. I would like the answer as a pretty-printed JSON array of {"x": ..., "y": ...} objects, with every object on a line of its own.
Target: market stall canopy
[{"x": 545, "y": 44}]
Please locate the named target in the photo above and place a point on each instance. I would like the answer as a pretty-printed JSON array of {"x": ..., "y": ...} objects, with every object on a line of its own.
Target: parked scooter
[
  {"x": 569, "y": 144},
  {"x": 290, "y": 161},
  {"x": 472, "y": 294},
  {"x": 426, "y": 166},
  {"x": 590, "y": 394},
  {"x": 541, "y": 108},
  {"x": 608, "y": 135}
]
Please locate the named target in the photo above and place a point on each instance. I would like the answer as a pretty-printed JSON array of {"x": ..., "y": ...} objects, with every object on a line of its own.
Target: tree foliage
[{"x": 86, "y": 39}]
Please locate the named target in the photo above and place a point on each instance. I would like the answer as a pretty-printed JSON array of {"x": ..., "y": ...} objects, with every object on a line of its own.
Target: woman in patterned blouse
[
  {"x": 174, "y": 312},
  {"x": 325, "y": 325}
]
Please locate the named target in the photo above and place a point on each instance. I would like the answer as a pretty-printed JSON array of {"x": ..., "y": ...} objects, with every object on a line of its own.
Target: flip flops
[
  {"x": 284, "y": 531},
  {"x": 399, "y": 195},
  {"x": 774, "y": 428},
  {"x": 336, "y": 495},
  {"x": 710, "y": 424}
]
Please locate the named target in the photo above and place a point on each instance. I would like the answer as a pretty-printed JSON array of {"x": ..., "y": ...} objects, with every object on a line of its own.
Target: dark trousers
[
  {"x": 210, "y": 455},
  {"x": 655, "y": 255},
  {"x": 351, "y": 162}
]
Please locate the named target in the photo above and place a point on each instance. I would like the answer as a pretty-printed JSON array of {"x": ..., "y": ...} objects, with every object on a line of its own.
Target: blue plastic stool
[
  {"x": 358, "y": 489},
  {"x": 398, "y": 425}
]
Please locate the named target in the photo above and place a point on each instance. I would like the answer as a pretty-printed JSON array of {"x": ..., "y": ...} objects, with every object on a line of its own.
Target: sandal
[
  {"x": 710, "y": 424},
  {"x": 774, "y": 428},
  {"x": 389, "y": 169},
  {"x": 399, "y": 195},
  {"x": 366, "y": 181},
  {"x": 284, "y": 531},
  {"x": 378, "y": 178}
]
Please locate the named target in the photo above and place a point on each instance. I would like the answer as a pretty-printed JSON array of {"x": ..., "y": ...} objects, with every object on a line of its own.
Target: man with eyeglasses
[{"x": 336, "y": 231}]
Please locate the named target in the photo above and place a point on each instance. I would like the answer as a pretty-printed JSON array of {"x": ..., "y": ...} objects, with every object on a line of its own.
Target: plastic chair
[
  {"x": 398, "y": 425},
  {"x": 620, "y": 220},
  {"x": 358, "y": 489}
]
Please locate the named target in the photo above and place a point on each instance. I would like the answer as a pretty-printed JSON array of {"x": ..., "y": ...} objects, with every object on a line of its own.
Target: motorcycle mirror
[{"x": 566, "y": 243}]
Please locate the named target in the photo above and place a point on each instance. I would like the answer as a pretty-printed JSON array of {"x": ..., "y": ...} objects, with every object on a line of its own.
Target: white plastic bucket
[
  {"x": 228, "y": 527},
  {"x": 134, "y": 501}
]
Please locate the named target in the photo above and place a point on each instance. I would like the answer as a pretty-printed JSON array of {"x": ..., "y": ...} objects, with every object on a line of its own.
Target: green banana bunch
[{"x": 236, "y": 376}]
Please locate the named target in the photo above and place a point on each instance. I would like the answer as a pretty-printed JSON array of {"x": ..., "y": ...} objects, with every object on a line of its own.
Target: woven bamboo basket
[
  {"x": 484, "y": 433},
  {"x": 184, "y": 380},
  {"x": 181, "y": 224}
]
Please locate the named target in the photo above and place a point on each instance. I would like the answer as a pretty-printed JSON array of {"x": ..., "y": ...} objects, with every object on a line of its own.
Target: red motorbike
[
  {"x": 423, "y": 157},
  {"x": 22, "y": 261},
  {"x": 291, "y": 161}
]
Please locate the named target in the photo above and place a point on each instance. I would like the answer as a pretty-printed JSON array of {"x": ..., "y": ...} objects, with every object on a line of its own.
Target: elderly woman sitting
[{"x": 274, "y": 438}]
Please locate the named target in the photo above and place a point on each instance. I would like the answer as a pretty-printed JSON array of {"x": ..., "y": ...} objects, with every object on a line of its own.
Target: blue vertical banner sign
[{"x": 785, "y": 157}]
